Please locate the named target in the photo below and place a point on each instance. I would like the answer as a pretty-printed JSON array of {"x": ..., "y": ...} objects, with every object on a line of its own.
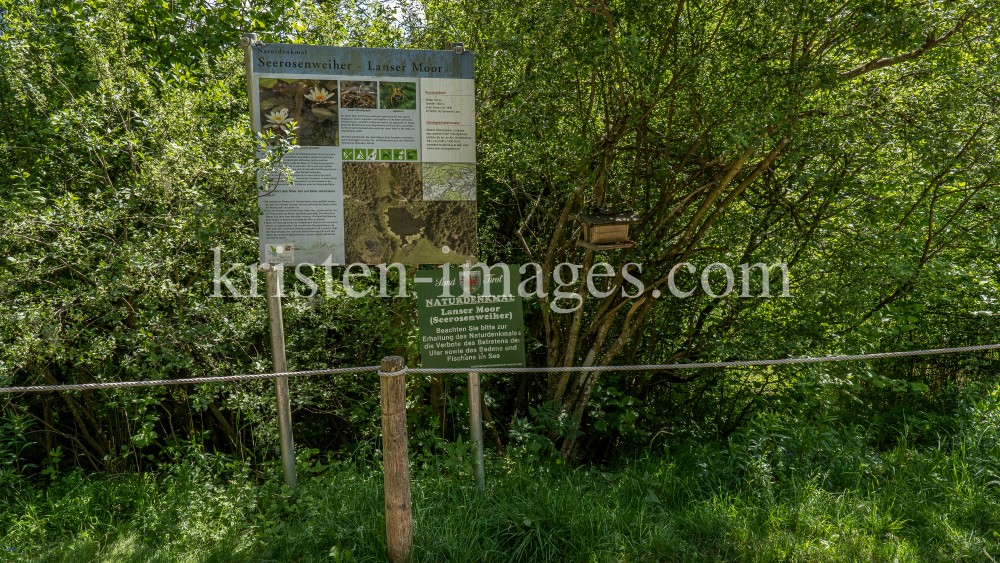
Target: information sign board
[
  {"x": 470, "y": 319},
  {"x": 385, "y": 169}
]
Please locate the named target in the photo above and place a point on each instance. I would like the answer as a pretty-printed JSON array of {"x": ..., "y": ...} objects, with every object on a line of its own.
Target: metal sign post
[
  {"x": 476, "y": 428},
  {"x": 471, "y": 320},
  {"x": 273, "y": 283},
  {"x": 280, "y": 383}
]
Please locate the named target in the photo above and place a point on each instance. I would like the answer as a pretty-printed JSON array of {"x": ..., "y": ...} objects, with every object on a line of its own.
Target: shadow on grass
[{"x": 910, "y": 506}]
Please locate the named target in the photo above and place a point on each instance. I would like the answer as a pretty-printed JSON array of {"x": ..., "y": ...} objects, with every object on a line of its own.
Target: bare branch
[{"x": 929, "y": 43}]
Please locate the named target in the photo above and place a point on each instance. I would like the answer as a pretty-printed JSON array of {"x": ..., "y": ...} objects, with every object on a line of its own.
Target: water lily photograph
[{"x": 305, "y": 109}]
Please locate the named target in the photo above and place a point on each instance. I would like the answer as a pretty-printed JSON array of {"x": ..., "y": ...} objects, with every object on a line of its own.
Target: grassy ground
[
  {"x": 781, "y": 490},
  {"x": 710, "y": 503}
]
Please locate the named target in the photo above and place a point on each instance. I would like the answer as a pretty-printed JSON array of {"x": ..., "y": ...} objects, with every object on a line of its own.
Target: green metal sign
[{"x": 470, "y": 318}]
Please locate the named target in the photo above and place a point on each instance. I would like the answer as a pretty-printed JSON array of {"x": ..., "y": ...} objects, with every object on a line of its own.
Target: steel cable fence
[{"x": 651, "y": 367}]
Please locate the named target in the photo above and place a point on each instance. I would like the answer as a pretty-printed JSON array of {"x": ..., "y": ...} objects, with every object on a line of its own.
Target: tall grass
[{"x": 775, "y": 492}]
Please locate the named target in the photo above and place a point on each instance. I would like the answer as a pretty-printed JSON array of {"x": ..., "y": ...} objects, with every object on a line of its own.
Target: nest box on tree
[{"x": 607, "y": 228}]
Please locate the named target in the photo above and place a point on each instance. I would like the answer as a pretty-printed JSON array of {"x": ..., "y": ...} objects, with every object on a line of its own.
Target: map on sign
[{"x": 449, "y": 181}]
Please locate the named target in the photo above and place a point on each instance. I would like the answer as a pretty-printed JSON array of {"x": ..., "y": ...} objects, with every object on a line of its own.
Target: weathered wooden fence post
[{"x": 395, "y": 460}]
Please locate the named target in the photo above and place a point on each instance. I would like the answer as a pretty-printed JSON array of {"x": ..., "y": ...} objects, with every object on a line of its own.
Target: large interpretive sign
[
  {"x": 470, "y": 318},
  {"x": 385, "y": 168}
]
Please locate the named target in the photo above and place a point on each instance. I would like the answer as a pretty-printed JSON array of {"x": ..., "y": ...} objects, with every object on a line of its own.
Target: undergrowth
[{"x": 776, "y": 491}]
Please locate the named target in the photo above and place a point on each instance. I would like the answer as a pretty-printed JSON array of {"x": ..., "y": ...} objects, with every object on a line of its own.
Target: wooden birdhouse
[{"x": 606, "y": 228}]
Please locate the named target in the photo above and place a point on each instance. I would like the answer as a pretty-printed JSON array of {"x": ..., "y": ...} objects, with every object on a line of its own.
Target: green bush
[{"x": 778, "y": 491}]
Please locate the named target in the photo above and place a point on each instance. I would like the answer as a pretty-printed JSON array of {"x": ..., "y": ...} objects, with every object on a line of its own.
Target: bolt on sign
[
  {"x": 385, "y": 165},
  {"x": 470, "y": 318}
]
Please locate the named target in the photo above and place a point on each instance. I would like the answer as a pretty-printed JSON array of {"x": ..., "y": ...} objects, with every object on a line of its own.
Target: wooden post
[
  {"x": 280, "y": 383},
  {"x": 395, "y": 459},
  {"x": 476, "y": 428},
  {"x": 273, "y": 296}
]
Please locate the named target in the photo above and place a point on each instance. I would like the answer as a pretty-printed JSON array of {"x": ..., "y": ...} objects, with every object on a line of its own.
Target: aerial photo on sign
[
  {"x": 389, "y": 219},
  {"x": 384, "y": 168}
]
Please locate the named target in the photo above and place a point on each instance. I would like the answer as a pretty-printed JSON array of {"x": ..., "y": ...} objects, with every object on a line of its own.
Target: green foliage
[
  {"x": 872, "y": 183},
  {"x": 14, "y": 441},
  {"x": 126, "y": 162},
  {"x": 781, "y": 490},
  {"x": 128, "y": 148},
  {"x": 126, "y": 159},
  {"x": 532, "y": 439}
]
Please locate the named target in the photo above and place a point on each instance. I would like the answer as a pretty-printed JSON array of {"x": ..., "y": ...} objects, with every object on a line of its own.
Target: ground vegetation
[{"x": 854, "y": 143}]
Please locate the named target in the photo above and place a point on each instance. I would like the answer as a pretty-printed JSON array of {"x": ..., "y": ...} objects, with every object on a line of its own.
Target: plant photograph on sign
[
  {"x": 310, "y": 104},
  {"x": 397, "y": 95},
  {"x": 386, "y": 218},
  {"x": 358, "y": 94}
]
